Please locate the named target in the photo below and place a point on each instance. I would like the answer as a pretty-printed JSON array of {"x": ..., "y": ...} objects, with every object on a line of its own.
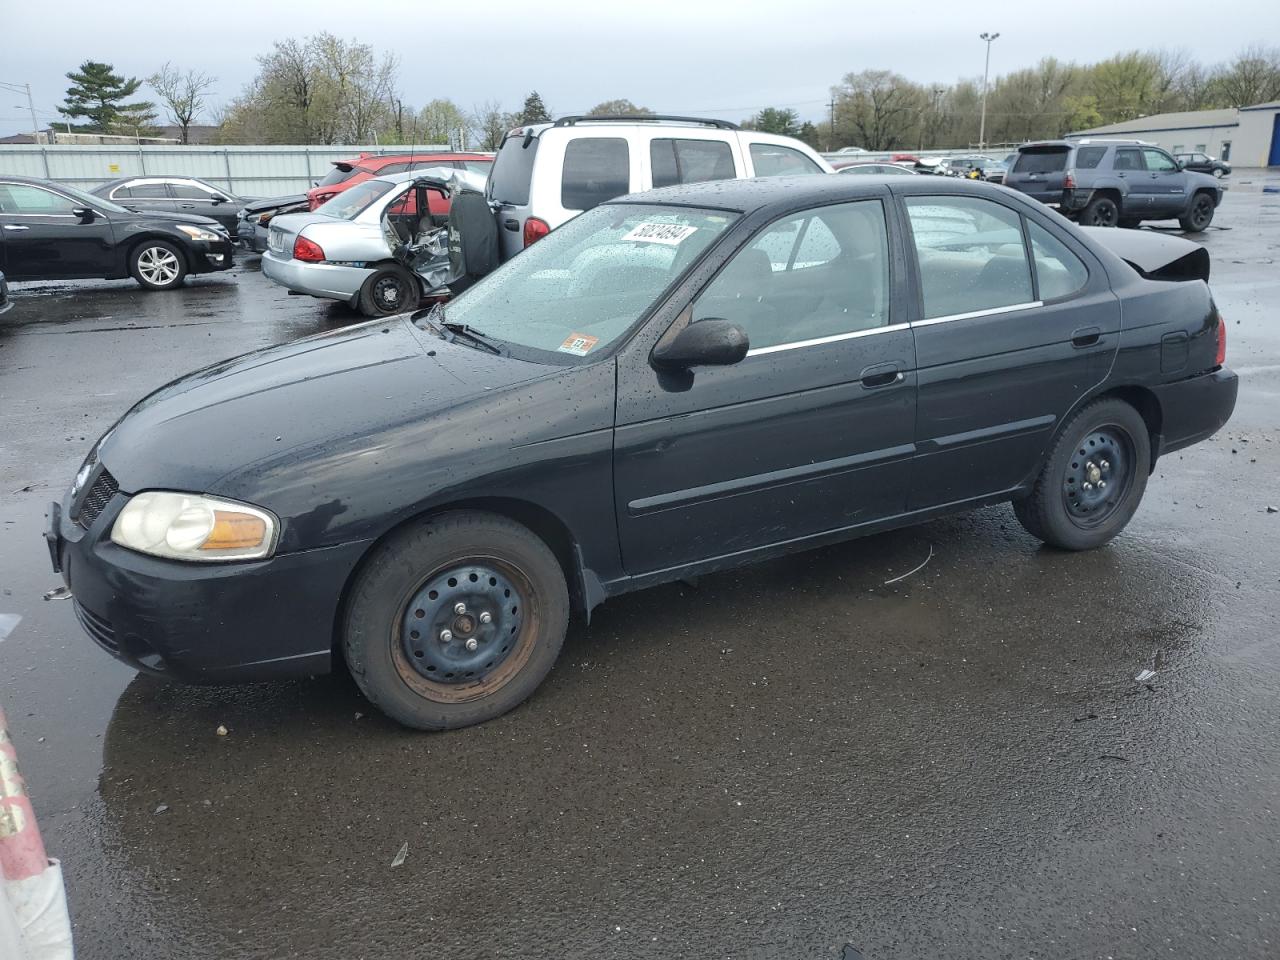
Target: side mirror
[
  {"x": 85, "y": 214},
  {"x": 712, "y": 342},
  {"x": 218, "y": 198}
]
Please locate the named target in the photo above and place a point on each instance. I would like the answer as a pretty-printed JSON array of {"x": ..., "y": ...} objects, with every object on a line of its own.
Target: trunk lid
[{"x": 1040, "y": 172}]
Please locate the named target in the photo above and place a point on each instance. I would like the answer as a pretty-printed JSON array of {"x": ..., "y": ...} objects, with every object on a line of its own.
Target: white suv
[{"x": 547, "y": 173}]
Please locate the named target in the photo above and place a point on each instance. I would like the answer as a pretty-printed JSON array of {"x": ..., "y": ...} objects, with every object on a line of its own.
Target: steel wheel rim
[
  {"x": 1200, "y": 213},
  {"x": 1105, "y": 214},
  {"x": 444, "y": 669},
  {"x": 388, "y": 293},
  {"x": 158, "y": 265},
  {"x": 1099, "y": 475}
]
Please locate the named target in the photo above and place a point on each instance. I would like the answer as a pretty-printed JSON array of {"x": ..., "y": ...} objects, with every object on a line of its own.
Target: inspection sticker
[
  {"x": 669, "y": 233},
  {"x": 579, "y": 344}
]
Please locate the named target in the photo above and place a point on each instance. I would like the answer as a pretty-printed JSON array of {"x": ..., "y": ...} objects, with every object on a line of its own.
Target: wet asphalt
[{"x": 777, "y": 762}]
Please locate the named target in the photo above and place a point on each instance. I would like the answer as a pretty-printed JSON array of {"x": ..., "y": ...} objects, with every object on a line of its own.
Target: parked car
[
  {"x": 876, "y": 169},
  {"x": 5, "y": 303},
  {"x": 342, "y": 251},
  {"x": 997, "y": 172},
  {"x": 547, "y": 173},
  {"x": 181, "y": 195},
  {"x": 53, "y": 232},
  {"x": 671, "y": 384},
  {"x": 850, "y": 150},
  {"x": 347, "y": 173},
  {"x": 1105, "y": 183},
  {"x": 253, "y": 219},
  {"x": 1203, "y": 163}
]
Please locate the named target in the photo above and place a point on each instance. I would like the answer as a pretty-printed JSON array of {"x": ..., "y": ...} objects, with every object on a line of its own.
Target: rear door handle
[
  {"x": 512, "y": 225},
  {"x": 881, "y": 375},
  {"x": 10, "y": 226},
  {"x": 1086, "y": 336}
]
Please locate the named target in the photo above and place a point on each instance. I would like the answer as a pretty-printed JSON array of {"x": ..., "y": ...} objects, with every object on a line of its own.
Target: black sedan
[
  {"x": 253, "y": 219},
  {"x": 1203, "y": 163},
  {"x": 53, "y": 232},
  {"x": 181, "y": 195},
  {"x": 670, "y": 384}
]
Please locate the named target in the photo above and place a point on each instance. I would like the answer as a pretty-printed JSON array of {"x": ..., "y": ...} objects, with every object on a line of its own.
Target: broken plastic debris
[
  {"x": 401, "y": 854},
  {"x": 58, "y": 593},
  {"x": 222, "y": 731},
  {"x": 162, "y": 808},
  {"x": 1145, "y": 676},
  {"x": 8, "y": 622},
  {"x": 1271, "y": 509},
  {"x": 915, "y": 570}
]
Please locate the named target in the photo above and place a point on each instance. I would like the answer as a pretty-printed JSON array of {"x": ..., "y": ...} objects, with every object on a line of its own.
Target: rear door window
[
  {"x": 596, "y": 169},
  {"x": 149, "y": 191},
  {"x": 1049, "y": 160},
  {"x": 689, "y": 161},
  {"x": 1088, "y": 158},
  {"x": 189, "y": 191},
  {"x": 774, "y": 160},
  {"x": 971, "y": 255},
  {"x": 1128, "y": 158}
]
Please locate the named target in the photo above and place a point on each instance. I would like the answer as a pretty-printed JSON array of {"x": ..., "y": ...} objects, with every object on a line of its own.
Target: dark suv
[{"x": 1107, "y": 183}]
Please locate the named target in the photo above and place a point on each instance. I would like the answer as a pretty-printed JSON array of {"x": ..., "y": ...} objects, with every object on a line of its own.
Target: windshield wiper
[{"x": 452, "y": 330}]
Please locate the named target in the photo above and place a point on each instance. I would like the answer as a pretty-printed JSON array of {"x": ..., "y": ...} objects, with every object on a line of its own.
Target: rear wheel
[
  {"x": 1093, "y": 479},
  {"x": 157, "y": 265},
  {"x": 390, "y": 290},
  {"x": 1200, "y": 215},
  {"x": 455, "y": 620},
  {"x": 1101, "y": 212}
]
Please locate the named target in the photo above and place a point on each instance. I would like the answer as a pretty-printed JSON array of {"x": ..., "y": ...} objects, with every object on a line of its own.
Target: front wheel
[
  {"x": 157, "y": 265},
  {"x": 1218, "y": 172},
  {"x": 1200, "y": 215},
  {"x": 1093, "y": 479},
  {"x": 1101, "y": 212},
  {"x": 455, "y": 620},
  {"x": 391, "y": 290}
]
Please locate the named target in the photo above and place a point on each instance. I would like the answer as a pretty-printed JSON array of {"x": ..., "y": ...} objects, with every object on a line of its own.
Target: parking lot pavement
[{"x": 776, "y": 762}]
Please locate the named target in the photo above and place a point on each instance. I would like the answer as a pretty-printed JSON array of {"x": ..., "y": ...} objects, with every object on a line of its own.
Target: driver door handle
[
  {"x": 1086, "y": 336},
  {"x": 12, "y": 226},
  {"x": 881, "y": 375}
]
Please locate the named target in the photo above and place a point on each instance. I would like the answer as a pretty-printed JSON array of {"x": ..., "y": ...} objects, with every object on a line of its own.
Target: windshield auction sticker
[
  {"x": 579, "y": 344},
  {"x": 669, "y": 233}
]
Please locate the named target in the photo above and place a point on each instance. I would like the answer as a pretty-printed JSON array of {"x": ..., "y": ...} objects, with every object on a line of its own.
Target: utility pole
[
  {"x": 986, "y": 70},
  {"x": 31, "y": 107},
  {"x": 831, "y": 139}
]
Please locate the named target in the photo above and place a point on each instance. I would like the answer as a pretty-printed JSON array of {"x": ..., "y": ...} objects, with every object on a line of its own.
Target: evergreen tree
[
  {"x": 97, "y": 94},
  {"x": 534, "y": 110}
]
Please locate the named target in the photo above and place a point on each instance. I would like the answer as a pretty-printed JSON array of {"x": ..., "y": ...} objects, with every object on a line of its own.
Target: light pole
[
  {"x": 986, "y": 70},
  {"x": 26, "y": 87}
]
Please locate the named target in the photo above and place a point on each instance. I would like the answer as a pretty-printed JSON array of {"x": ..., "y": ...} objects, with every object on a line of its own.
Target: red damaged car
[{"x": 347, "y": 173}]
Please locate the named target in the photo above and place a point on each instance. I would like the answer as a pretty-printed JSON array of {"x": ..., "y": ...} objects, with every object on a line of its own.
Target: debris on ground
[
  {"x": 401, "y": 854},
  {"x": 1087, "y": 716},
  {"x": 58, "y": 593},
  {"x": 1114, "y": 756},
  {"x": 1271, "y": 509},
  {"x": 1146, "y": 676},
  {"x": 915, "y": 570},
  {"x": 162, "y": 808},
  {"x": 222, "y": 731}
]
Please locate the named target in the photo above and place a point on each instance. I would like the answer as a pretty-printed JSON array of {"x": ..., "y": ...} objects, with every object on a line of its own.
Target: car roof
[
  {"x": 782, "y": 194},
  {"x": 429, "y": 154},
  {"x": 34, "y": 181}
]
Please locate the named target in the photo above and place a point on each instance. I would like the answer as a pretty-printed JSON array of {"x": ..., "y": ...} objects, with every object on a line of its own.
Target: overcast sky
[{"x": 711, "y": 57}]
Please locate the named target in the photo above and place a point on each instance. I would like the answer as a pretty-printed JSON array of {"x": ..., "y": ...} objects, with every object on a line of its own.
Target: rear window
[
  {"x": 513, "y": 171},
  {"x": 351, "y": 203},
  {"x": 772, "y": 160},
  {"x": 337, "y": 175},
  {"x": 690, "y": 161},
  {"x": 1088, "y": 158},
  {"x": 596, "y": 169},
  {"x": 1049, "y": 160},
  {"x": 481, "y": 167}
]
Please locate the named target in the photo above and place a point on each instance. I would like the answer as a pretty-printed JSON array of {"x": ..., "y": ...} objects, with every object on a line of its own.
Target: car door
[
  {"x": 1016, "y": 322},
  {"x": 44, "y": 239},
  {"x": 146, "y": 196},
  {"x": 1129, "y": 167},
  {"x": 1168, "y": 183},
  {"x": 191, "y": 197},
  {"x": 811, "y": 432}
]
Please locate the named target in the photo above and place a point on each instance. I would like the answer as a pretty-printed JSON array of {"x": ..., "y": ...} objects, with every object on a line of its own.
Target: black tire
[
  {"x": 390, "y": 290},
  {"x": 1105, "y": 441},
  {"x": 157, "y": 265},
  {"x": 417, "y": 676},
  {"x": 1130, "y": 223},
  {"x": 1101, "y": 212},
  {"x": 1218, "y": 172},
  {"x": 1200, "y": 215}
]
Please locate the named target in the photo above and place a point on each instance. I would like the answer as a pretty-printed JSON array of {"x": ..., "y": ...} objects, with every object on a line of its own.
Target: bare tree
[
  {"x": 184, "y": 94},
  {"x": 1252, "y": 77},
  {"x": 491, "y": 123},
  {"x": 881, "y": 109}
]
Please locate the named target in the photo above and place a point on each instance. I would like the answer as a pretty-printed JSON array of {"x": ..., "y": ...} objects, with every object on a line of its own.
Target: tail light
[
  {"x": 321, "y": 198},
  {"x": 535, "y": 230},
  {"x": 1069, "y": 180},
  {"x": 307, "y": 250},
  {"x": 1222, "y": 342}
]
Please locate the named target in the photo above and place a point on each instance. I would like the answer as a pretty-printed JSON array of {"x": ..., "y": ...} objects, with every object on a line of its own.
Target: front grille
[
  {"x": 99, "y": 495},
  {"x": 98, "y": 627}
]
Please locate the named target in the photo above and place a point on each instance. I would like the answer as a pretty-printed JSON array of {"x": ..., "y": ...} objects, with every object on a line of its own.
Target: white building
[{"x": 1247, "y": 137}]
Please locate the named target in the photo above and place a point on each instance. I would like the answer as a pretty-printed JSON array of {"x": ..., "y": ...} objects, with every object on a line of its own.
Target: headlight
[
  {"x": 198, "y": 233},
  {"x": 186, "y": 526}
]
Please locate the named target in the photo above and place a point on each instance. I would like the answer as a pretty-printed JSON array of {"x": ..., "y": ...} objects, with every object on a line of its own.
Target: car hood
[
  {"x": 272, "y": 203},
  {"x": 192, "y": 219},
  {"x": 284, "y": 409}
]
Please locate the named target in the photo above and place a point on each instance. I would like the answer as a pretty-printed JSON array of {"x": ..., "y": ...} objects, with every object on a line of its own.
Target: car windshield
[
  {"x": 579, "y": 289},
  {"x": 98, "y": 203},
  {"x": 337, "y": 175},
  {"x": 351, "y": 203}
]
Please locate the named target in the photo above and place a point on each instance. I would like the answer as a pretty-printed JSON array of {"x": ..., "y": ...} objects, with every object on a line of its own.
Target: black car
[
  {"x": 253, "y": 218},
  {"x": 671, "y": 384},
  {"x": 1203, "y": 163},
  {"x": 1108, "y": 183},
  {"x": 181, "y": 195},
  {"x": 53, "y": 232}
]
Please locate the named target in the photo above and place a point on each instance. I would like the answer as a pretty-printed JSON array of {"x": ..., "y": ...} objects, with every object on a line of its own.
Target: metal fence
[{"x": 248, "y": 171}]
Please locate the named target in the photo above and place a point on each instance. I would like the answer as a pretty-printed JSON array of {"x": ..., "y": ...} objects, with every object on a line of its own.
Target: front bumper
[
  {"x": 1194, "y": 409},
  {"x": 210, "y": 256},
  {"x": 317, "y": 279},
  {"x": 201, "y": 622}
]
